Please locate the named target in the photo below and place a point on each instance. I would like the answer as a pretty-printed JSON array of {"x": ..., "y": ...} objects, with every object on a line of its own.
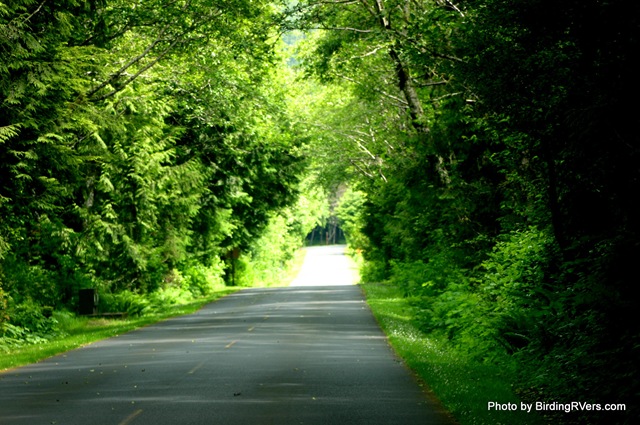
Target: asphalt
[{"x": 311, "y": 353}]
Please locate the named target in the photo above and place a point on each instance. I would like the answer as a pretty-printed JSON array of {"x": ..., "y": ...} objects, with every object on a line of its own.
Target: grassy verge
[
  {"x": 294, "y": 267},
  {"x": 463, "y": 385},
  {"x": 76, "y": 331}
]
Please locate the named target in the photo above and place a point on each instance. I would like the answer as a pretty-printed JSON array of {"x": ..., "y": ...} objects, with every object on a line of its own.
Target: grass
[
  {"x": 77, "y": 331},
  {"x": 463, "y": 385}
]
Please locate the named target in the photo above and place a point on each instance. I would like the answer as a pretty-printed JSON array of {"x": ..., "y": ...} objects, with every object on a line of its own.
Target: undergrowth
[
  {"x": 464, "y": 385},
  {"x": 75, "y": 331}
]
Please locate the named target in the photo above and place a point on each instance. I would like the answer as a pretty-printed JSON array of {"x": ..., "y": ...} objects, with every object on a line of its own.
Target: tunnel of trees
[{"x": 481, "y": 155}]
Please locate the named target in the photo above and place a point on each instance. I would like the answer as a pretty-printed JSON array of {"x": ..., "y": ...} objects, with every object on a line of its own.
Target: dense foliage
[
  {"x": 140, "y": 144},
  {"x": 489, "y": 148},
  {"x": 493, "y": 147}
]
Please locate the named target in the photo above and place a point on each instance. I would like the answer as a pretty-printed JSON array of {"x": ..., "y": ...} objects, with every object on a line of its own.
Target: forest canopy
[{"x": 485, "y": 153}]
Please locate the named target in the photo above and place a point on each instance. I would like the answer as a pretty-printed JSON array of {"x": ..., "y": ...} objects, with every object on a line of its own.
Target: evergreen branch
[
  {"x": 111, "y": 37},
  {"x": 422, "y": 49},
  {"x": 298, "y": 8},
  {"x": 371, "y": 10},
  {"x": 9, "y": 131}
]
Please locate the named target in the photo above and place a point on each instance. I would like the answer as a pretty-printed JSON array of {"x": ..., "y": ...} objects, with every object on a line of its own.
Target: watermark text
[{"x": 539, "y": 406}]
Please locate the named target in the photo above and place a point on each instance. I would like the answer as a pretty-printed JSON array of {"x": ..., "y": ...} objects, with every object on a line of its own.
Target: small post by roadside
[
  {"x": 234, "y": 254},
  {"x": 88, "y": 301}
]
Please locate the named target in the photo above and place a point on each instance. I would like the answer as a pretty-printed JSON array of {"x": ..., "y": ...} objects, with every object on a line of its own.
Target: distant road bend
[{"x": 311, "y": 353}]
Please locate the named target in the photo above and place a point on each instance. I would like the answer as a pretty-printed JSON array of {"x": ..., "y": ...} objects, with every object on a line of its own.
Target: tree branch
[
  {"x": 143, "y": 69},
  {"x": 375, "y": 89},
  {"x": 341, "y": 29},
  {"x": 178, "y": 38},
  {"x": 450, "y": 4},
  {"x": 129, "y": 64},
  {"x": 372, "y": 52},
  {"x": 35, "y": 11}
]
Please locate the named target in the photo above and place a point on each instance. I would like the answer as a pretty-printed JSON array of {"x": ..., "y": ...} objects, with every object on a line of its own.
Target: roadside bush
[
  {"x": 411, "y": 277},
  {"x": 240, "y": 271},
  {"x": 25, "y": 281},
  {"x": 33, "y": 318},
  {"x": 516, "y": 287},
  {"x": 67, "y": 321},
  {"x": 269, "y": 256},
  {"x": 373, "y": 271},
  {"x": 29, "y": 323},
  {"x": 349, "y": 212},
  {"x": 202, "y": 280},
  {"x": 12, "y": 336},
  {"x": 124, "y": 302},
  {"x": 164, "y": 297},
  {"x": 492, "y": 310},
  {"x": 4, "y": 316},
  {"x": 426, "y": 278}
]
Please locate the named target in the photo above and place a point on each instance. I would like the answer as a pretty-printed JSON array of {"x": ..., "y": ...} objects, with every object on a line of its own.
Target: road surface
[{"x": 311, "y": 353}]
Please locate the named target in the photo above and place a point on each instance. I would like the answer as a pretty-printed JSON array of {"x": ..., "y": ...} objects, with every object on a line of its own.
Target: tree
[
  {"x": 565, "y": 82},
  {"x": 508, "y": 126},
  {"x": 136, "y": 138}
]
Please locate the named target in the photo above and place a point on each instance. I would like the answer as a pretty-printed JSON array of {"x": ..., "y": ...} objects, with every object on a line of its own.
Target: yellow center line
[
  {"x": 192, "y": 371},
  {"x": 131, "y": 417},
  {"x": 198, "y": 366}
]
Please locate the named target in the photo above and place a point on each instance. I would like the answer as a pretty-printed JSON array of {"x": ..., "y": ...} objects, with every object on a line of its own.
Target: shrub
[
  {"x": 349, "y": 212},
  {"x": 203, "y": 280},
  {"x": 124, "y": 302},
  {"x": 4, "y": 316},
  {"x": 373, "y": 271},
  {"x": 31, "y": 316},
  {"x": 29, "y": 323},
  {"x": 516, "y": 286},
  {"x": 164, "y": 297}
]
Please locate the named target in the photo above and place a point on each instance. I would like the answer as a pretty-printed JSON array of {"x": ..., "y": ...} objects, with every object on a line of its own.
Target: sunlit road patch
[{"x": 326, "y": 266}]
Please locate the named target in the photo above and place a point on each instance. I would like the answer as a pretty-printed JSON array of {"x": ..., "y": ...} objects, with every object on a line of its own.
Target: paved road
[{"x": 307, "y": 354}]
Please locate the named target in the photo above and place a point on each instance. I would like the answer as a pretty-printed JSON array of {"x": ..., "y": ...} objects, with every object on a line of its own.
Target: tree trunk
[{"x": 405, "y": 84}]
